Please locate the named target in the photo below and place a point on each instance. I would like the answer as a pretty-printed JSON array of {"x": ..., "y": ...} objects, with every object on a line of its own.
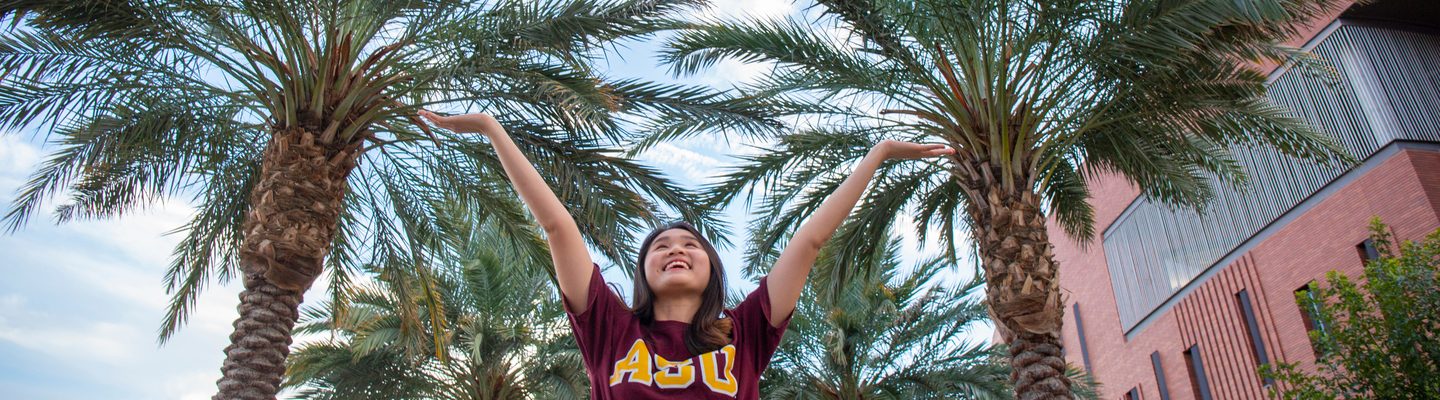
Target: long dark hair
[{"x": 708, "y": 332}]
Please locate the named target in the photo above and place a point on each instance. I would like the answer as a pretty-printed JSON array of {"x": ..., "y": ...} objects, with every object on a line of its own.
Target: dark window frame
[
  {"x": 1080, "y": 331},
  {"x": 1159, "y": 376},
  {"x": 1196, "y": 365},
  {"x": 1252, "y": 326},
  {"x": 1367, "y": 251},
  {"x": 1307, "y": 315}
]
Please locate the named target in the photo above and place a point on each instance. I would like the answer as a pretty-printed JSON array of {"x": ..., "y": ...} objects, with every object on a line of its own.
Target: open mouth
[{"x": 677, "y": 264}]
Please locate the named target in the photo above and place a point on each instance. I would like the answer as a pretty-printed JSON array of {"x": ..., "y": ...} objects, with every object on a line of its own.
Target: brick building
[{"x": 1170, "y": 304}]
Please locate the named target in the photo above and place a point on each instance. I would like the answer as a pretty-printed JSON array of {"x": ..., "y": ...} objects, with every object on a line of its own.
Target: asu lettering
[
  {"x": 674, "y": 375},
  {"x": 636, "y": 365},
  {"x": 640, "y": 366},
  {"x": 720, "y": 380}
]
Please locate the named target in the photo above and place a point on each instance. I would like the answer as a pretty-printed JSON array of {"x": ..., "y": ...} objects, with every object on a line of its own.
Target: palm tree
[
  {"x": 892, "y": 335},
  {"x": 1037, "y": 97},
  {"x": 292, "y": 124},
  {"x": 509, "y": 337}
]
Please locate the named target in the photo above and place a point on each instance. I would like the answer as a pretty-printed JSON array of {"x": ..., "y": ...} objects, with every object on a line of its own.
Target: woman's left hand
[{"x": 898, "y": 150}]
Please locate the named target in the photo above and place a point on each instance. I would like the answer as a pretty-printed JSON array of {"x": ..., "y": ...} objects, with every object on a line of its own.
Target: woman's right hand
[{"x": 464, "y": 123}]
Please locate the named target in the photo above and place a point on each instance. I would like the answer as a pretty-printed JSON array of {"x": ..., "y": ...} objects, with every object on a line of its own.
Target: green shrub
[{"x": 1377, "y": 338}]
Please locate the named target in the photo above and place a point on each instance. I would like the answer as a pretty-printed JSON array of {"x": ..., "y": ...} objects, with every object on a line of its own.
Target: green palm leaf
[
  {"x": 893, "y": 335},
  {"x": 503, "y": 324}
]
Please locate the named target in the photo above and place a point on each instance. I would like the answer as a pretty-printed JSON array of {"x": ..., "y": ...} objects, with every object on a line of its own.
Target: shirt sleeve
[
  {"x": 751, "y": 326},
  {"x": 604, "y": 313}
]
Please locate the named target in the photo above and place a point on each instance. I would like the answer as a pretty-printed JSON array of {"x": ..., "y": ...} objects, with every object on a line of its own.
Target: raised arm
[
  {"x": 791, "y": 270},
  {"x": 573, "y": 265}
]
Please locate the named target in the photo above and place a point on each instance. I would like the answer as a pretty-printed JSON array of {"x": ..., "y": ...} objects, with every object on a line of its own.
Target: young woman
[{"x": 674, "y": 342}]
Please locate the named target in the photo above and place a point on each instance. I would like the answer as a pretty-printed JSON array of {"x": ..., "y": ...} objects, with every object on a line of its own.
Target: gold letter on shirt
[
  {"x": 720, "y": 380},
  {"x": 674, "y": 375},
  {"x": 636, "y": 363}
]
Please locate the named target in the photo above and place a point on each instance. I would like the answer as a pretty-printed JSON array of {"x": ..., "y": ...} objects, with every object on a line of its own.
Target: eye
[{"x": 692, "y": 245}]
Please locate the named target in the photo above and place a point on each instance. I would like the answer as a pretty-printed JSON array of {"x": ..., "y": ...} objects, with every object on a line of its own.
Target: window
[
  {"x": 1196, "y": 366},
  {"x": 1080, "y": 330},
  {"x": 1252, "y": 326},
  {"x": 1367, "y": 250},
  {"x": 1133, "y": 394},
  {"x": 1159, "y": 376},
  {"x": 1304, "y": 296}
]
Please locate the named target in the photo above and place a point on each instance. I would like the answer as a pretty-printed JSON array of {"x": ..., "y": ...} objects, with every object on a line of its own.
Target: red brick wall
[
  {"x": 1324, "y": 238},
  {"x": 1403, "y": 189},
  {"x": 1211, "y": 317},
  {"x": 1428, "y": 167}
]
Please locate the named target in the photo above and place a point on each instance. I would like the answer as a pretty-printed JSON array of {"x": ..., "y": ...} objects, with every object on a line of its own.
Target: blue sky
[{"x": 80, "y": 303}]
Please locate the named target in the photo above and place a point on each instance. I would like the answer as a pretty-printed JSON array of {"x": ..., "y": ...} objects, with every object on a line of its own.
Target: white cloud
[
  {"x": 10, "y": 302},
  {"x": 81, "y": 303},
  {"x": 696, "y": 168},
  {"x": 193, "y": 385},
  {"x": 16, "y": 159},
  {"x": 101, "y": 341},
  {"x": 15, "y": 154},
  {"x": 104, "y": 301},
  {"x": 87, "y": 297},
  {"x": 728, "y": 73},
  {"x": 153, "y": 247}
]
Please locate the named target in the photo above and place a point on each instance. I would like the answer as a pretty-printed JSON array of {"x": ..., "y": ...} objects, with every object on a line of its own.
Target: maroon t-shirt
[{"x": 626, "y": 360}]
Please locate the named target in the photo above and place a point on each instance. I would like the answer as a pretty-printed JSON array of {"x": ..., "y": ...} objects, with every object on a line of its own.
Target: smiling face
[{"x": 677, "y": 264}]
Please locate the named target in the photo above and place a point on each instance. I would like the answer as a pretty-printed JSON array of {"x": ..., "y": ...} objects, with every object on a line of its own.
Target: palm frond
[
  {"x": 1047, "y": 100},
  {"x": 492, "y": 313},
  {"x": 893, "y": 334},
  {"x": 149, "y": 99}
]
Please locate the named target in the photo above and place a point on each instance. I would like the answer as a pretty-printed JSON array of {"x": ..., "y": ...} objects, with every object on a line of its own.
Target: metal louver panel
[{"x": 1387, "y": 88}]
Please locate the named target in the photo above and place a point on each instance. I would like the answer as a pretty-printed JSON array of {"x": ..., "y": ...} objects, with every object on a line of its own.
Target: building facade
[{"x": 1170, "y": 304}]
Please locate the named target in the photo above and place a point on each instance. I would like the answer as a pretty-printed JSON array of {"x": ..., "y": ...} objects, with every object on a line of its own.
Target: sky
[{"x": 81, "y": 303}]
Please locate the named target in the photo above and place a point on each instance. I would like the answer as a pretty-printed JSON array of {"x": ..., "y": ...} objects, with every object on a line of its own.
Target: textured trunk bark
[
  {"x": 255, "y": 360},
  {"x": 294, "y": 210},
  {"x": 1021, "y": 280},
  {"x": 1038, "y": 368}
]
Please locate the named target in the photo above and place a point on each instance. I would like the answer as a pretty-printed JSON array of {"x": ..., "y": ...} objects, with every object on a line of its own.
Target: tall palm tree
[
  {"x": 509, "y": 337},
  {"x": 292, "y": 124},
  {"x": 892, "y": 335},
  {"x": 1037, "y": 97}
]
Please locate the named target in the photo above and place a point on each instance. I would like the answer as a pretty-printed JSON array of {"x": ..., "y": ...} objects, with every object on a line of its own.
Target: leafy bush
[{"x": 1377, "y": 338}]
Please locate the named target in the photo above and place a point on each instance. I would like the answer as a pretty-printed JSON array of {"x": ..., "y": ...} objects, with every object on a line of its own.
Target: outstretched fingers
[
  {"x": 435, "y": 119},
  {"x": 936, "y": 150},
  {"x": 895, "y": 149}
]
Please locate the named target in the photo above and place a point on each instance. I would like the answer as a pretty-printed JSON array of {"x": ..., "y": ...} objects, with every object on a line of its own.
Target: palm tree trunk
[
  {"x": 255, "y": 360},
  {"x": 294, "y": 209},
  {"x": 1022, "y": 282},
  {"x": 1037, "y": 369}
]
